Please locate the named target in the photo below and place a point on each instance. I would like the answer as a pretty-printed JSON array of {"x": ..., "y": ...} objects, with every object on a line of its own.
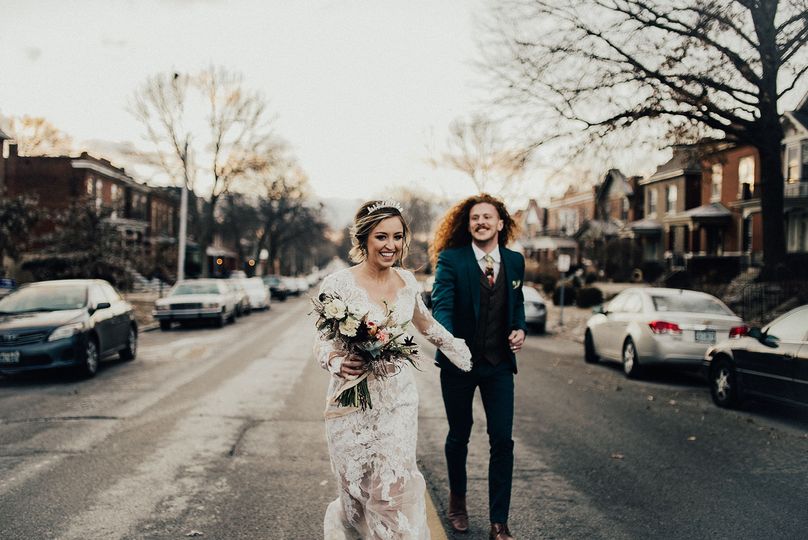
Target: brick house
[
  {"x": 674, "y": 188},
  {"x": 144, "y": 216},
  {"x": 552, "y": 234},
  {"x": 726, "y": 228},
  {"x": 795, "y": 173}
]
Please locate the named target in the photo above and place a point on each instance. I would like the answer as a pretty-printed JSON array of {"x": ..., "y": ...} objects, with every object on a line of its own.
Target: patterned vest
[{"x": 491, "y": 337}]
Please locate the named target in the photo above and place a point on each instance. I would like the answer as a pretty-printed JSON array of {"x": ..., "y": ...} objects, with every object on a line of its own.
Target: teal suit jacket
[{"x": 456, "y": 294}]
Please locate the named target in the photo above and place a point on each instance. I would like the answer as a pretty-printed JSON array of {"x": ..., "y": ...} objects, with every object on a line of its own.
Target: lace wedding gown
[{"x": 381, "y": 491}]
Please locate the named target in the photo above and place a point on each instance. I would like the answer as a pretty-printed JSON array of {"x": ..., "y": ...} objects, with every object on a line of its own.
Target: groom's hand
[{"x": 516, "y": 339}]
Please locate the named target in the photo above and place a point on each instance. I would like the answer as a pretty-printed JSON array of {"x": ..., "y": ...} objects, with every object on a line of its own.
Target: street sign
[{"x": 563, "y": 262}]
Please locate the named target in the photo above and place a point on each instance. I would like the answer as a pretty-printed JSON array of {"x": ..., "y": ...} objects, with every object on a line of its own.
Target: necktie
[{"x": 489, "y": 269}]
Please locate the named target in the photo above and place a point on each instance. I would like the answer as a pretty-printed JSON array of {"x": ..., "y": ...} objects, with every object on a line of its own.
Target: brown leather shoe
[
  {"x": 499, "y": 531},
  {"x": 458, "y": 516}
]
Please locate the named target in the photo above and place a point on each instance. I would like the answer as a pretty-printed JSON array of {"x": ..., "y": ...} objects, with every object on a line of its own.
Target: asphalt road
[{"x": 218, "y": 433}]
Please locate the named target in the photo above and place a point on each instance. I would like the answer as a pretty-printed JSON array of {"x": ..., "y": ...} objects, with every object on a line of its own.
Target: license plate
[
  {"x": 705, "y": 336},
  {"x": 9, "y": 357}
]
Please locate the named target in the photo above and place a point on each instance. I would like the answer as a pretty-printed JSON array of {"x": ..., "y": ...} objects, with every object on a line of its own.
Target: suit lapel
[
  {"x": 473, "y": 273},
  {"x": 509, "y": 279}
]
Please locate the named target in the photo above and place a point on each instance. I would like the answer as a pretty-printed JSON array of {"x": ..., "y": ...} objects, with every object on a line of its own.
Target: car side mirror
[
  {"x": 102, "y": 305},
  {"x": 599, "y": 309}
]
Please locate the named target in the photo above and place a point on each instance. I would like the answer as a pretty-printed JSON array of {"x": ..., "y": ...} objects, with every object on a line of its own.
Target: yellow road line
[{"x": 433, "y": 520}]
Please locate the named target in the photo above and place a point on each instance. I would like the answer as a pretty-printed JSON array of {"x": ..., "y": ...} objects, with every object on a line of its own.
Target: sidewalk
[
  {"x": 574, "y": 317},
  {"x": 143, "y": 303}
]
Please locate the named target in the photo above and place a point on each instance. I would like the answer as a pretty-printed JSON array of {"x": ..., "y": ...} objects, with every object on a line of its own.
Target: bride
[{"x": 381, "y": 491}]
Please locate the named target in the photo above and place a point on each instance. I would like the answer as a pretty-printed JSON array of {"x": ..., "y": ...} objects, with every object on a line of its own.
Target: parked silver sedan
[{"x": 648, "y": 325}]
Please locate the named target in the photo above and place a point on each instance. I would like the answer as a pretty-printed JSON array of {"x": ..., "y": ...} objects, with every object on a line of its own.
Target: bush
[
  {"x": 547, "y": 281},
  {"x": 569, "y": 295},
  {"x": 590, "y": 278},
  {"x": 652, "y": 271},
  {"x": 589, "y": 296}
]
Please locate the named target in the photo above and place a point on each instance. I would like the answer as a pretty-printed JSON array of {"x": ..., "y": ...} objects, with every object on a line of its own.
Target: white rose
[
  {"x": 349, "y": 327},
  {"x": 335, "y": 309}
]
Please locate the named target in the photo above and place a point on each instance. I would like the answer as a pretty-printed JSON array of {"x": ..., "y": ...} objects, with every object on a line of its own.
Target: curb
[{"x": 433, "y": 520}]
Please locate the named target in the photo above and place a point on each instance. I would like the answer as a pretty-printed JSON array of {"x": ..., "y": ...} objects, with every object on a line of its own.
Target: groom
[{"x": 477, "y": 296}]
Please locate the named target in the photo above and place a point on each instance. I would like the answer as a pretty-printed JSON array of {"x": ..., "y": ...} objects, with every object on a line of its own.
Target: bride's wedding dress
[{"x": 381, "y": 491}]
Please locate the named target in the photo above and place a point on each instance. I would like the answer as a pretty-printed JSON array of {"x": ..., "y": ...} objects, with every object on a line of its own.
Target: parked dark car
[
  {"x": 67, "y": 323},
  {"x": 771, "y": 363},
  {"x": 277, "y": 287}
]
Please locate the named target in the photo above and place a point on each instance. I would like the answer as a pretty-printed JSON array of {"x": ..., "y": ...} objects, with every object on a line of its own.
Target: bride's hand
[{"x": 351, "y": 366}]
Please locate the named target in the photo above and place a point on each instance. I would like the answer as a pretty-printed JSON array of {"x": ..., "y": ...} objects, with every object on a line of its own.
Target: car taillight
[
  {"x": 664, "y": 327},
  {"x": 738, "y": 331}
]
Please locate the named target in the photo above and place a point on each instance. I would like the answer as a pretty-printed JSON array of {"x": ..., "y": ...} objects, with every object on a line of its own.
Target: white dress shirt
[{"x": 480, "y": 256}]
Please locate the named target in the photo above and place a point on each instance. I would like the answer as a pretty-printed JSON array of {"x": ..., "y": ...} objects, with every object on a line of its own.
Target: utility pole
[{"x": 183, "y": 217}]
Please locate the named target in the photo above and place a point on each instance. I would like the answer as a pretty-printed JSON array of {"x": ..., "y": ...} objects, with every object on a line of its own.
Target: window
[
  {"x": 804, "y": 176},
  {"x": 624, "y": 206},
  {"x": 746, "y": 176},
  {"x": 633, "y": 304},
  {"x": 99, "y": 193},
  {"x": 670, "y": 199},
  {"x": 717, "y": 181},
  {"x": 652, "y": 202},
  {"x": 89, "y": 186},
  {"x": 791, "y": 327},
  {"x": 616, "y": 305},
  {"x": 792, "y": 164},
  {"x": 110, "y": 293}
]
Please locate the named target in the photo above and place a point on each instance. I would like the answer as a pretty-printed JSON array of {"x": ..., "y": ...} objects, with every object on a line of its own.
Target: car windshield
[
  {"x": 272, "y": 280},
  {"x": 195, "y": 288},
  {"x": 47, "y": 298},
  {"x": 690, "y": 304}
]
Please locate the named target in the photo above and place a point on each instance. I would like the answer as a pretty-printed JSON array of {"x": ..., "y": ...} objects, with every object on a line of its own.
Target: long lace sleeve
[
  {"x": 323, "y": 348},
  {"x": 454, "y": 348}
]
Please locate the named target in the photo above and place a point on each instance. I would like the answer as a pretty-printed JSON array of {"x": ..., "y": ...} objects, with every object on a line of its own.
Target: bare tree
[
  {"x": 288, "y": 221},
  {"x": 209, "y": 131},
  {"x": 35, "y": 136},
  {"x": 597, "y": 68},
  {"x": 477, "y": 148}
]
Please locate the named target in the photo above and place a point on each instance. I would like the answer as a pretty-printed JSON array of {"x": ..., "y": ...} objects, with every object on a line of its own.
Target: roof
[
  {"x": 712, "y": 210},
  {"x": 597, "y": 228},
  {"x": 801, "y": 117},
  {"x": 609, "y": 178},
  {"x": 685, "y": 160},
  {"x": 645, "y": 225},
  {"x": 549, "y": 242},
  {"x": 3, "y": 136}
]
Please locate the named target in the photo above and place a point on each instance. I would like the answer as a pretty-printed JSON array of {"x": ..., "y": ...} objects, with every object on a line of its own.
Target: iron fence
[{"x": 763, "y": 301}]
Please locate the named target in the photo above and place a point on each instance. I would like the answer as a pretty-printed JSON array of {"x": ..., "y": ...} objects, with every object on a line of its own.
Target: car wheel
[
  {"x": 542, "y": 328},
  {"x": 631, "y": 360},
  {"x": 89, "y": 362},
  {"x": 590, "y": 356},
  {"x": 165, "y": 325},
  {"x": 130, "y": 351},
  {"x": 723, "y": 383},
  {"x": 219, "y": 321}
]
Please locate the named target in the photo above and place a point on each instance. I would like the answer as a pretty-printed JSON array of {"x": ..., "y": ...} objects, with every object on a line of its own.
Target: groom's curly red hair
[{"x": 453, "y": 229}]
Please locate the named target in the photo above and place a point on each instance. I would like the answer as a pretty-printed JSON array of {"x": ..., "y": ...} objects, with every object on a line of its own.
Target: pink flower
[{"x": 383, "y": 337}]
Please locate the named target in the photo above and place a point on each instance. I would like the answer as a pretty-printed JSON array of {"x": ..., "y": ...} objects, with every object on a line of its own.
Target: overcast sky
[{"x": 361, "y": 87}]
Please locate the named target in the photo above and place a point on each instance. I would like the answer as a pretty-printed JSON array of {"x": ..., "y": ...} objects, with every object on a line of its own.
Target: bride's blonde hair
[{"x": 367, "y": 217}]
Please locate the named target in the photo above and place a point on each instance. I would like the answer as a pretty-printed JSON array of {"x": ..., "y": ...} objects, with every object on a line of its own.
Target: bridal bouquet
[{"x": 376, "y": 343}]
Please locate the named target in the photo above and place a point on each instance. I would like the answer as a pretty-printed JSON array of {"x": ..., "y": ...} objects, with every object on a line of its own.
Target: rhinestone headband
[{"x": 385, "y": 204}]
